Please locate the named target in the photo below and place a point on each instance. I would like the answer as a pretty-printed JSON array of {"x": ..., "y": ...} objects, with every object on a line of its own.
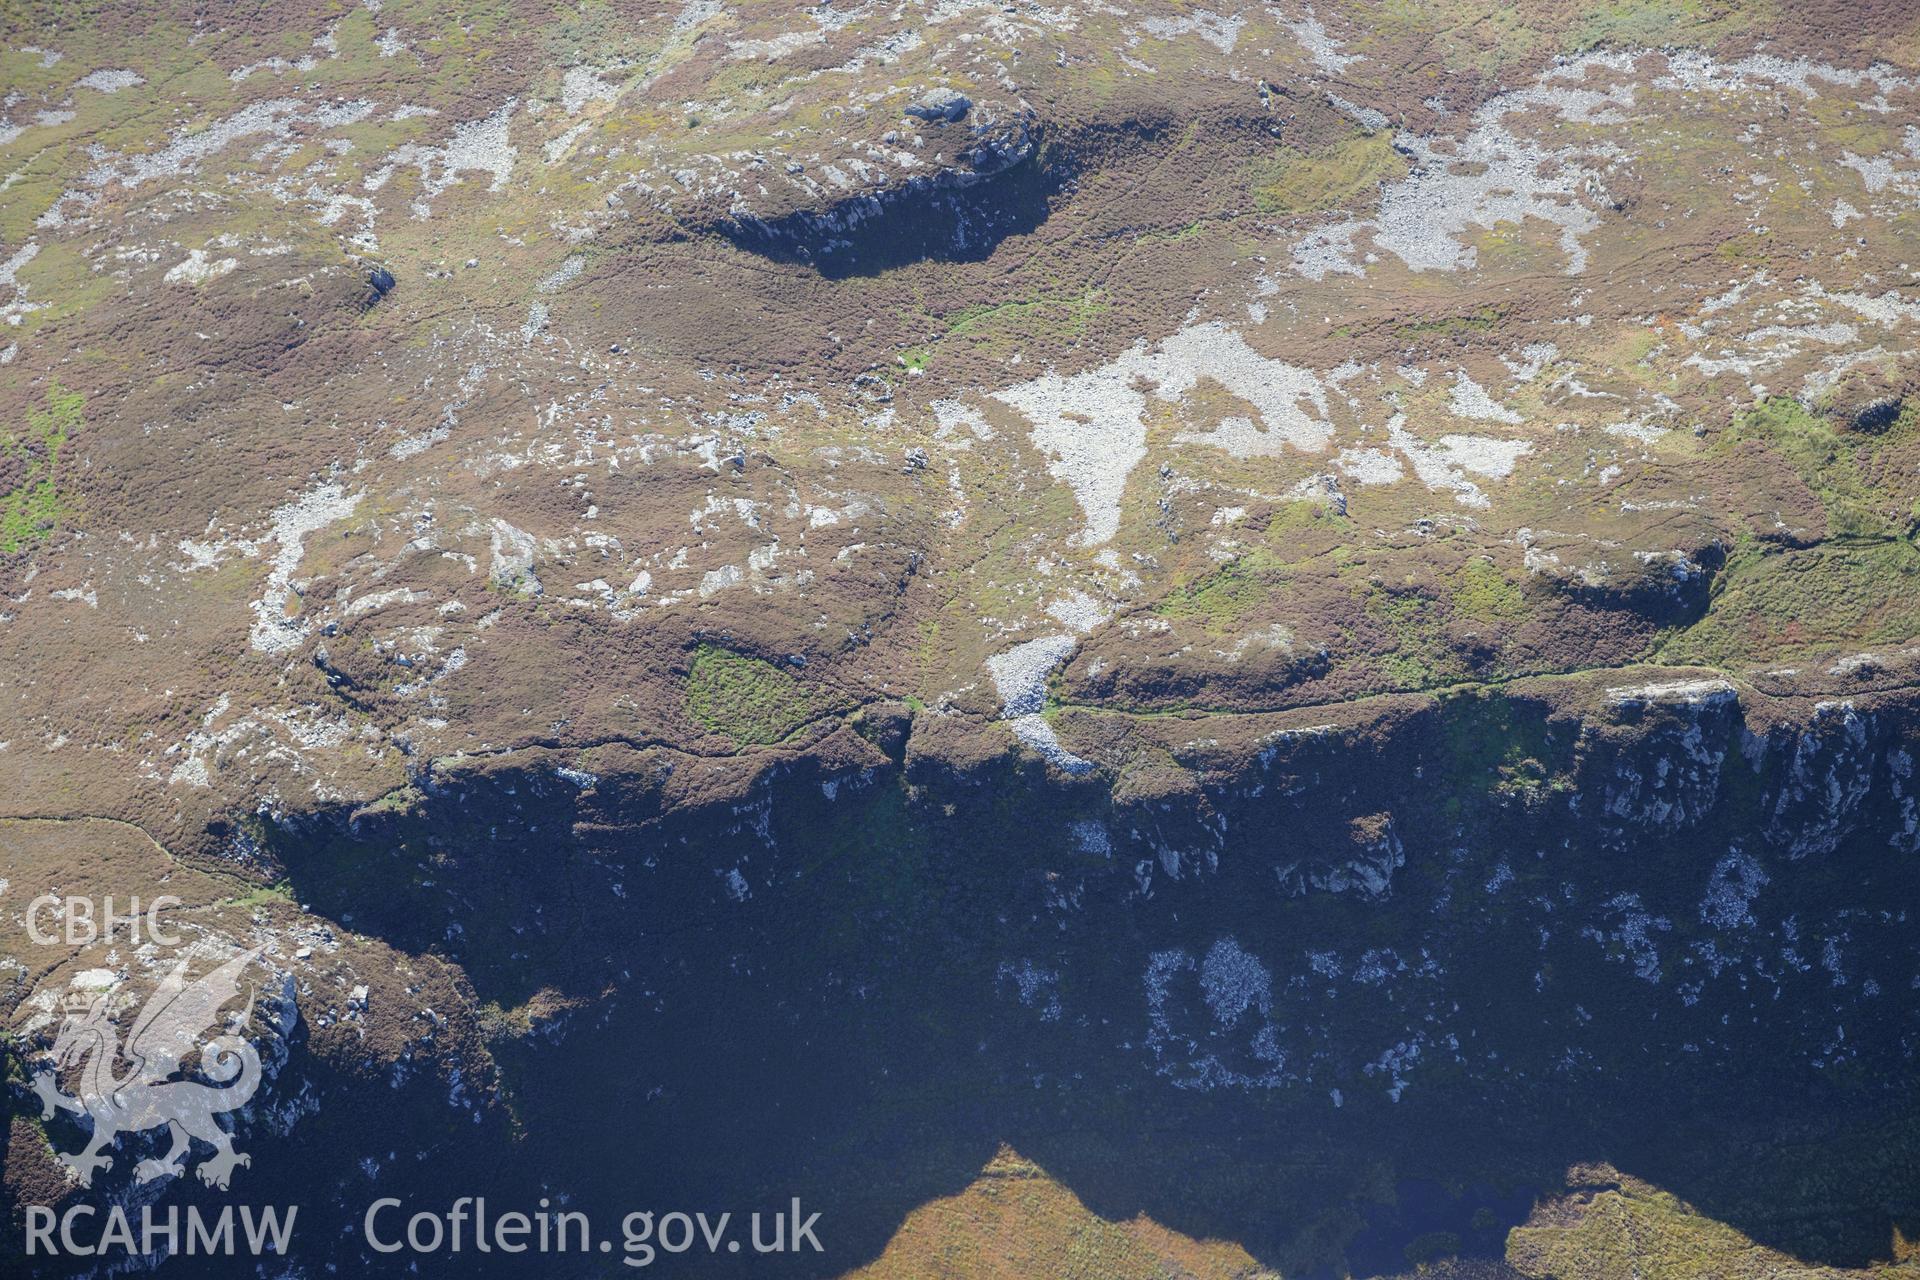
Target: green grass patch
[
  {"x": 1770, "y": 605},
  {"x": 279, "y": 891},
  {"x": 1218, "y": 600},
  {"x": 1418, "y": 658},
  {"x": 1290, "y": 182},
  {"x": 1654, "y": 23},
  {"x": 1305, "y": 526},
  {"x": 1485, "y": 594},
  {"x": 36, "y": 504},
  {"x": 1494, "y": 746},
  {"x": 1829, "y": 461},
  {"x": 1456, "y": 326},
  {"x": 999, "y": 329},
  {"x": 748, "y": 699}
]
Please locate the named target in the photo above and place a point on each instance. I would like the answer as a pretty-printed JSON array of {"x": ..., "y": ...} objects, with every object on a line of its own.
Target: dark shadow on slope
[
  {"x": 854, "y": 998},
  {"x": 921, "y": 220}
]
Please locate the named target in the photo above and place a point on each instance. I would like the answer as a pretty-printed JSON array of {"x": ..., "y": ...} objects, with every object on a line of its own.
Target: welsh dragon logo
[{"x": 145, "y": 1093}]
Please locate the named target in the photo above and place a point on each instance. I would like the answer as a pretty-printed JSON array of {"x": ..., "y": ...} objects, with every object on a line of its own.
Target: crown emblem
[{"x": 78, "y": 1003}]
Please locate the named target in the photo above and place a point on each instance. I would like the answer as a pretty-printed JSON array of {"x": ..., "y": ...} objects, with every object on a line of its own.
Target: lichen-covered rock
[
  {"x": 1823, "y": 774},
  {"x": 1665, "y": 773},
  {"x": 1374, "y": 853}
]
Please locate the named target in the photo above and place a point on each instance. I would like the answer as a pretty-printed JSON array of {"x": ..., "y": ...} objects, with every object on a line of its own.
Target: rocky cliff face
[{"x": 1388, "y": 947}]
